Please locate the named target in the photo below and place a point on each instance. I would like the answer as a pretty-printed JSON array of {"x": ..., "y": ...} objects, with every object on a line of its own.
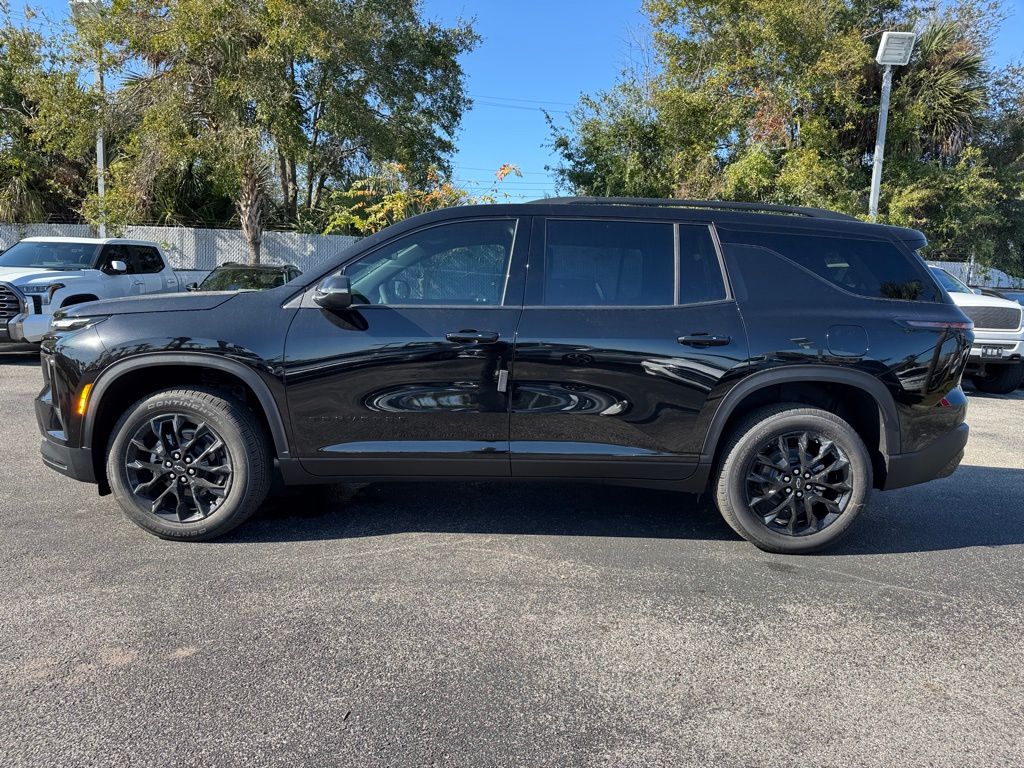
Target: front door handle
[
  {"x": 472, "y": 337},
  {"x": 704, "y": 340}
]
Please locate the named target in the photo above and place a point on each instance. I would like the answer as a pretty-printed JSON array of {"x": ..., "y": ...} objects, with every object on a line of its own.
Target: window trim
[
  {"x": 517, "y": 220},
  {"x": 676, "y": 262}
]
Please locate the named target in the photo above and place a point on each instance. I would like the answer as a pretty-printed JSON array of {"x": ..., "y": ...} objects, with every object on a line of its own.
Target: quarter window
[
  {"x": 874, "y": 268},
  {"x": 610, "y": 263},
  {"x": 461, "y": 263}
]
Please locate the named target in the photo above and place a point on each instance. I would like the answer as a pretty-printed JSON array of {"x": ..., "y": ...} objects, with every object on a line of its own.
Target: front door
[
  {"x": 129, "y": 283},
  {"x": 627, "y": 331},
  {"x": 413, "y": 378}
]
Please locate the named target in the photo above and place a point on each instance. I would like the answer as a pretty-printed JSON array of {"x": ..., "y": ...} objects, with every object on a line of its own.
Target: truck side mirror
[
  {"x": 334, "y": 293},
  {"x": 117, "y": 267},
  {"x": 192, "y": 287}
]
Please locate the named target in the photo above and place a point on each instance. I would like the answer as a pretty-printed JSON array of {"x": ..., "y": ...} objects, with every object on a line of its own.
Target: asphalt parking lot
[{"x": 491, "y": 624}]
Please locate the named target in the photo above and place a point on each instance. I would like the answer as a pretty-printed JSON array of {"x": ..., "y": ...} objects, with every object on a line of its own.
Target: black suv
[{"x": 788, "y": 360}]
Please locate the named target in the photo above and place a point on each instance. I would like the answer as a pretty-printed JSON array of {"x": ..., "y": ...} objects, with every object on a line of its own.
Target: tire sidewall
[
  {"x": 234, "y": 444},
  {"x": 744, "y": 450}
]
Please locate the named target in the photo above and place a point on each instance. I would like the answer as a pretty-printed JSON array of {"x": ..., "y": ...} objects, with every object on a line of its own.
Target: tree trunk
[{"x": 250, "y": 212}]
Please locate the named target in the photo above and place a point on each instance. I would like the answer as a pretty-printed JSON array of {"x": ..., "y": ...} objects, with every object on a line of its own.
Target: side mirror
[
  {"x": 334, "y": 293},
  {"x": 192, "y": 287},
  {"x": 117, "y": 267}
]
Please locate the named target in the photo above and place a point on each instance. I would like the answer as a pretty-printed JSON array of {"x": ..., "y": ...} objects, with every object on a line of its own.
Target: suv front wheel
[
  {"x": 792, "y": 479},
  {"x": 189, "y": 464}
]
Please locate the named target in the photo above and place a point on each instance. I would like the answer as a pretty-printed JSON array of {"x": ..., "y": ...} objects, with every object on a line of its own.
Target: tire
[
  {"x": 215, "y": 488},
  {"x": 999, "y": 379},
  {"x": 747, "y": 510}
]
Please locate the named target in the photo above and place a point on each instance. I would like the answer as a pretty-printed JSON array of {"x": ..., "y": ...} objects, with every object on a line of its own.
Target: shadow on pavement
[
  {"x": 541, "y": 509},
  {"x": 976, "y": 507},
  {"x": 19, "y": 355}
]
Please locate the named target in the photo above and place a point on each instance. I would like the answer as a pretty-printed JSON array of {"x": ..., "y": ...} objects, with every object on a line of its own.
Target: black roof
[{"x": 714, "y": 205}]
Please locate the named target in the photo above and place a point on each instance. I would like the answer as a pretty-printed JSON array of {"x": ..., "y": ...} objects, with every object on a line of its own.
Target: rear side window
[
  {"x": 611, "y": 263},
  {"x": 700, "y": 274},
  {"x": 147, "y": 260},
  {"x": 873, "y": 268}
]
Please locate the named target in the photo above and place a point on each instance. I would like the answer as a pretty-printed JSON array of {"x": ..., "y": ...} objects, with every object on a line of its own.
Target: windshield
[
  {"x": 242, "y": 280},
  {"x": 949, "y": 282},
  {"x": 50, "y": 255}
]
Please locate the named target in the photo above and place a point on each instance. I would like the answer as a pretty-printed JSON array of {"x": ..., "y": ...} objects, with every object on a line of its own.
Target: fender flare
[
  {"x": 197, "y": 360},
  {"x": 809, "y": 374},
  {"x": 78, "y": 298}
]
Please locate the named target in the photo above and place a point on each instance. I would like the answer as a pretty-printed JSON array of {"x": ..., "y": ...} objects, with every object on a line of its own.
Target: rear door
[
  {"x": 629, "y": 328},
  {"x": 413, "y": 379},
  {"x": 157, "y": 276}
]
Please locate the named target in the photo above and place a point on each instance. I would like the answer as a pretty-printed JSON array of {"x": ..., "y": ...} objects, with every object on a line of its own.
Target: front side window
[
  {"x": 457, "y": 264},
  {"x": 608, "y": 263}
]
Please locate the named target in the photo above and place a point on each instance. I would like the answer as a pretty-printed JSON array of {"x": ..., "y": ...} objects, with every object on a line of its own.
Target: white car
[
  {"x": 40, "y": 275},
  {"x": 995, "y": 364}
]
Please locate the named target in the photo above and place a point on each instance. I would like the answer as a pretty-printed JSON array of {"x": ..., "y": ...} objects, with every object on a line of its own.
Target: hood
[
  {"x": 159, "y": 302},
  {"x": 977, "y": 300},
  {"x": 24, "y": 275}
]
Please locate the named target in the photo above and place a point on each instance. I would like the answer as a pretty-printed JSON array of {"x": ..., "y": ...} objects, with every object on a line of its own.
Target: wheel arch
[
  {"x": 746, "y": 392},
  {"x": 191, "y": 366}
]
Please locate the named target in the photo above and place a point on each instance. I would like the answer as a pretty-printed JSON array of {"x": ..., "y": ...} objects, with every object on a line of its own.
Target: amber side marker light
[{"x": 83, "y": 399}]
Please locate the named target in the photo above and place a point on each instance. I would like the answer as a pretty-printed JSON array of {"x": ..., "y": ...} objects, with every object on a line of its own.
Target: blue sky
[{"x": 538, "y": 55}]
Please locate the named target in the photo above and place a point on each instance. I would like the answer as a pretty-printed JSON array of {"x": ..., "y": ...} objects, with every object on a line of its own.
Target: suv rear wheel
[
  {"x": 1000, "y": 379},
  {"x": 188, "y": 464},
  {"x": 792, "y": 479}
]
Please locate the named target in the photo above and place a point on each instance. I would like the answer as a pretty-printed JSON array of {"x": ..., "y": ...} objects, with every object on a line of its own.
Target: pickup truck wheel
[
  {"x": 792, "y": 479},
  {"x": 188, "y": 464},
  {"x": 999, "y": 379}
]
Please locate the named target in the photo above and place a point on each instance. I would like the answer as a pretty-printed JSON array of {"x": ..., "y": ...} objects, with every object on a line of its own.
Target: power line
[{"x": 524, "y": 101}]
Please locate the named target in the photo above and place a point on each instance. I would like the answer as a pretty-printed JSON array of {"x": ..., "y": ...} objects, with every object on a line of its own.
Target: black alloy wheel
[
  {"x": 799, "y": 483},
  {"x": 179, "y": 466}
]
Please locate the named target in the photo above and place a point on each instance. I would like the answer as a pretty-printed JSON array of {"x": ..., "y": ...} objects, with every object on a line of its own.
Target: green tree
[
  {"x": 272, "y": 102},
  {"x": 46, "y": 127},
  {"x": 776, "y": 101}
]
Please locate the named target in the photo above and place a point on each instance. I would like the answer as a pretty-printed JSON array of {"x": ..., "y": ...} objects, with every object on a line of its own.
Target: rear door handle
[
  {"x": 472, "y": 337},
  {"x": 704, "y": 340}
]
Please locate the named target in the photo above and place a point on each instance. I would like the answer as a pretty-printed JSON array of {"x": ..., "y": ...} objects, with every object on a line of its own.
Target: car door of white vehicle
[
  {"x": 121, "y": 284},
  {"x": 150, "y": 266}
]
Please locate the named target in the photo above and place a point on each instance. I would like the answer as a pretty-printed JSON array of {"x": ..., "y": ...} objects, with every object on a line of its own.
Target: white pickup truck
[{"x": 39, "y": 275}]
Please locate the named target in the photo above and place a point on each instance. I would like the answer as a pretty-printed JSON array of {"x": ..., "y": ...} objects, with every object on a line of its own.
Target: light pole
[
  {"x": 893, "y": 51},
  {"x": 81, "y": 9}
]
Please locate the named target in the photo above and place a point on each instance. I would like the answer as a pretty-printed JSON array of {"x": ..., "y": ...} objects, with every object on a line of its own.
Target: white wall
[{"x": 200, "y": 250}]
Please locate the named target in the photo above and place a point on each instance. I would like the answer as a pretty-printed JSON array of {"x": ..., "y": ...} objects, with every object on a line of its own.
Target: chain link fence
[{"x": 196, "y": 251}]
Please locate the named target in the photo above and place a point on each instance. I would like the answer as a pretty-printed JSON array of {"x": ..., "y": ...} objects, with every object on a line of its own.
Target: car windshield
[
  {"x": 47, "y": 255},
  {"x": 243, "y": 280},
  {"x": 949, "y": 282}
]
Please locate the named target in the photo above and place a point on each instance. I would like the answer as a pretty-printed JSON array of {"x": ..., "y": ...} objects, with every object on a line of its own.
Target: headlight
[
  {"x": 45, "y": 291},
  {"x": 74, "y": 323}
]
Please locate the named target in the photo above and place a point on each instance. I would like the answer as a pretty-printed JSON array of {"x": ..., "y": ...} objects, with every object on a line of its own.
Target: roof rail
[{"x": 718, "y": 205}]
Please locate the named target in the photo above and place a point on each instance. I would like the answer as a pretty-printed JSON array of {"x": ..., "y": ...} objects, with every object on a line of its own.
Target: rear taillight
[{"x": 940, "y": 325}]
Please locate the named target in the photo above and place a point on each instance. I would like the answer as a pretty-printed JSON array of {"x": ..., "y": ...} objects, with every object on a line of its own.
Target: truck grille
[
  {"x": 994, "y": 318},
  {"x": 10, "y": 302}
]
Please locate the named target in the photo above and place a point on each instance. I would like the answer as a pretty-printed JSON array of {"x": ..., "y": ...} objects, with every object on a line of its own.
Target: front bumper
[
  {"x": 938, "y": 459},
  {"x": 76, "y": 463},
  {"x": 1008, "y": 346}
]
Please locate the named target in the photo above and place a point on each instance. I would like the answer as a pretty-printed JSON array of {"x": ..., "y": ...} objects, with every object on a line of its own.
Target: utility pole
[{"x": 81, "y": 9}]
